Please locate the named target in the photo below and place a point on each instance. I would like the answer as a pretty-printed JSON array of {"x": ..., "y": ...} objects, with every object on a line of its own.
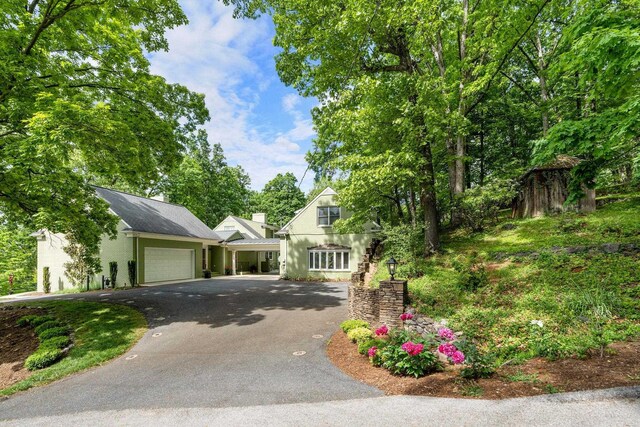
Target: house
[
  {"x": 246, "y": 246},
  {"x": 169, "y": 243},
  {"x": 545, "y": 188},
  {"x": 310, "y": 247},
  {"x": 166, "y": 240}
]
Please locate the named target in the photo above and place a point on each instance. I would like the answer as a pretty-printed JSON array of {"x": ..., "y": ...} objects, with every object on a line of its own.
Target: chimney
[
  {"x": 259, "y": 217},
  {"x": 160, "y": 197}
]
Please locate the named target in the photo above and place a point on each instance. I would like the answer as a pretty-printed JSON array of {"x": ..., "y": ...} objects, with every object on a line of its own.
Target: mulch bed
[
  {"x": 16, "y": 344},
  {"x": 619, "y": 367}
]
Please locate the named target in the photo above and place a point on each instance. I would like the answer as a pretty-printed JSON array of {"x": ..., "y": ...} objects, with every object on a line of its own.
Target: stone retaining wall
[
  {"x": 629, "y": 249},
  {"x": 379, "y": 306}
]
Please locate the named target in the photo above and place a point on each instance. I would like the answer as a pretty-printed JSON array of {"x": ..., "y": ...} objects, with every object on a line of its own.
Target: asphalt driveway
[
  {"x": 220, "y": 352},
  {"x": 215, "y": 343}
]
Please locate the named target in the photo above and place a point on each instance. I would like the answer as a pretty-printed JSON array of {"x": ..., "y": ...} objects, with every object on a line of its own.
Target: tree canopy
[
  {"x": 206, "y": 185},
  {"x": 78, "y": 105},
  {"x": 279, "y": 199},
  {"x": 422, "y": 100}
]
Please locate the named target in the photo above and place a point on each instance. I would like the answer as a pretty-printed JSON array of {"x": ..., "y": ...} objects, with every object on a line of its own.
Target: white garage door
[{"x": 162, "y": 264}]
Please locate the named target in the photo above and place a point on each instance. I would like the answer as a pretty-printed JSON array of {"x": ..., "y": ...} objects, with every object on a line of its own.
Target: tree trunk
[
  {"x": 544, "y": 93},
  {"x": 412, "y": 206},
  {"x": 481, "y": 180},
  {"x": 428, "y": 202},
  {"x": 398, "y": 204}
]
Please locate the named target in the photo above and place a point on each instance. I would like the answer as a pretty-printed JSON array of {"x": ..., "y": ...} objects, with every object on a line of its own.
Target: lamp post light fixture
[{"x": 391, "y": 266}]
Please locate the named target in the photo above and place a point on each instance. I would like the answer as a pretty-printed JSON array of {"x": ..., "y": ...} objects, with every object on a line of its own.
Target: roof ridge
[{"x": 135, "y": 195}]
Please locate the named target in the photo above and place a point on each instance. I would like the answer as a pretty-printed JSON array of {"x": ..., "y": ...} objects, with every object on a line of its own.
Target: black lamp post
[{"x": 391, "y": 266}]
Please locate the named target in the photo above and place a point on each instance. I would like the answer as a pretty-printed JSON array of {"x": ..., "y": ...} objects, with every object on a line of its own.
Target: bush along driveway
[
  {"x": 215, "y": 343},
  {"x": 74, "y": 336}
]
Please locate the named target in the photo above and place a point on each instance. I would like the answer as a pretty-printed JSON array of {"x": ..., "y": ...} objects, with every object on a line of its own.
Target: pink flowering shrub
[
  {"x": 447, "y": 334},
  {"x": 372, "y": 351},
  {"x": 447, "y": 349},
  {"x": 457, "y": 357},
  {"x": 412, "y": 348},
  {"x": 406, "y": 316},
  {"x": 382, "y": 330},
  {"x": 406, "y": 354}
]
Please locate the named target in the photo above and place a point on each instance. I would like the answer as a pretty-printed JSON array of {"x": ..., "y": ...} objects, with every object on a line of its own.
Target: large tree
[
  {"x": 409, "y": 73},
  {"x": 598, "y": 89},
  {"x": 206, "y": 185},
  {"x": 279, "y": 199},
  {"x": 77, "y": 100}
]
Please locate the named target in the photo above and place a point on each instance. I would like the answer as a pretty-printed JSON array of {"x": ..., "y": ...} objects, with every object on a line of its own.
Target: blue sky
[{"x": 262, "y": 125}]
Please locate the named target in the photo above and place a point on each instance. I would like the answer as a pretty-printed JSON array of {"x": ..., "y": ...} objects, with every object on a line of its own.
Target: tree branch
[
  {"x": 506, "y": 57},
  {"x": 531, "y": 98}
]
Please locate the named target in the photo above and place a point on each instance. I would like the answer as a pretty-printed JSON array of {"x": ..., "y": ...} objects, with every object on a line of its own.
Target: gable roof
[
  {"x": 229, "y": 235},
  {"x": 153, "y": 216},
  {"x": 251, "y": 226},
  {"x": 326, "y": 192}
]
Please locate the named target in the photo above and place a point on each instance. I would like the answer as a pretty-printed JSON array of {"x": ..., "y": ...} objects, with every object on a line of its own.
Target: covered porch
[{"x": 244, "y": 256}]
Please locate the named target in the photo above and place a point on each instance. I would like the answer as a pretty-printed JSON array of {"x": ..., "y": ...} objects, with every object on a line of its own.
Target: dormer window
[{"x": 327, "y": 215}]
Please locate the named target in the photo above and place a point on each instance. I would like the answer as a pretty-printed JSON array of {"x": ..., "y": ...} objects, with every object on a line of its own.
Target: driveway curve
[{"x": 214, "y": 343}]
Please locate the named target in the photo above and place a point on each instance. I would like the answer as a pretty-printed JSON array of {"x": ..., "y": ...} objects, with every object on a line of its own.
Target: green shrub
[
  {"x": 46, "y": 280},
  {"x": 56, "y": 342},
  {"x": 405, "y": 242},
  {"x": 400, "y": 362},
  {"x": 348, "y": 325},
  {"x": 480, "y": 205},
  {"x": 113, "y": 273},
  {"x": 131, "y": 270},
  {"x": 472, "y": 273},
  {"x": 365, "y": 345},
  {"x": 26, "y": 320},
  {"x": 359, "y": 334},
  {"x": 42, "y": 358},
  {"x": 53, "y": 332},
  {"x": 34, "y": 320},
  {"x": 46, "y": 325},
  {"x": 476, "y": 364}
]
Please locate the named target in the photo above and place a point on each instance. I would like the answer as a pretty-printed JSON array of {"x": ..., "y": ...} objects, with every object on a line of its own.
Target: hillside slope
[{"x": 555, "y": 287}]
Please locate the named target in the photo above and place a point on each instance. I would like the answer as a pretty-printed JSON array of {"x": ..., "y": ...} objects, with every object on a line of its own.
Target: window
[
  {"x": 269, "y": 255},
  {"x": 329, "y": 260},
  {"x": 229, "y": 227},
  {"x": 327, "y": 215}
]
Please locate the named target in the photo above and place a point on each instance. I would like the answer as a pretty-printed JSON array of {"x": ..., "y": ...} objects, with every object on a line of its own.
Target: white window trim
[
  {"x": 328, "y": 215},
  {"x": 334, "y": 252}
]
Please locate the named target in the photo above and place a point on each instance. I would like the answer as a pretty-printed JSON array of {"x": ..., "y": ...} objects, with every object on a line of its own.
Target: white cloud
[
  {"x": 290, "y": 101},
  {"x": 224, "y": 58}
]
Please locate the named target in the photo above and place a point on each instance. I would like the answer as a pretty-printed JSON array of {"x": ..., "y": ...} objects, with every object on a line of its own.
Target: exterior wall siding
[
  {"x": 305, "y": 233},
  {"x": 120, "y": 250},
  {"x": 52, "y": 255},
  {"x": 227, "y": 222},
  {"x": 216, "y": 264}
]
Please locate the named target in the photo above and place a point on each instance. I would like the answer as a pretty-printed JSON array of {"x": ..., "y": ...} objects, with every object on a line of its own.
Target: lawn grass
[
  {"x": 100, "y": 333},
  {"x": 614, "y": 222},
  {"x": 584, "y": 300}
]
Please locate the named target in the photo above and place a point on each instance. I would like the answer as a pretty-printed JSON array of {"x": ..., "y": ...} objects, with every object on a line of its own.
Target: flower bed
[{"x": 407, "y": 353}]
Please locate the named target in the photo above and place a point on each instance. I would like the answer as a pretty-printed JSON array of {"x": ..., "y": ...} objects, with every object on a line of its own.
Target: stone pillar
[
  {"x": 233, "y": 263},
  {"x": 393, "y": 297}
]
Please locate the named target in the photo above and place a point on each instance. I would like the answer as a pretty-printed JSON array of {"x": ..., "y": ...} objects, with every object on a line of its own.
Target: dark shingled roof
[{"x": 153, "y": 216}]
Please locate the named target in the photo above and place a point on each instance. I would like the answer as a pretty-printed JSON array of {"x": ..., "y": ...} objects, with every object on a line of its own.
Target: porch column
[
  {"x": 259, "y": 263},
  {"x": 233, "y": 263}
]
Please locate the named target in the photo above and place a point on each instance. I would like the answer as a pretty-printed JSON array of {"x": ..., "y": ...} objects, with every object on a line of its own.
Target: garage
[{"x": 163, "y": 264}]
